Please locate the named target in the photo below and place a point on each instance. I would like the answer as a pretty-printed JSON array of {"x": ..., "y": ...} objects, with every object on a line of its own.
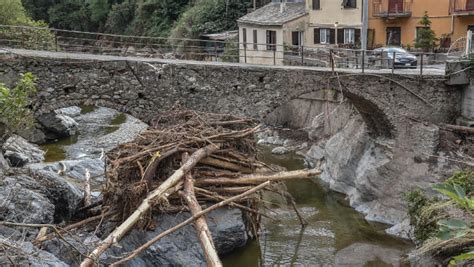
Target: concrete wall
[{"x": 468, "y": 102}]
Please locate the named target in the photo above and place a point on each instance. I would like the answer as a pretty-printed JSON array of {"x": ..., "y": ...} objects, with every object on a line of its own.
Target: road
[{"x": 430, "y": 70}]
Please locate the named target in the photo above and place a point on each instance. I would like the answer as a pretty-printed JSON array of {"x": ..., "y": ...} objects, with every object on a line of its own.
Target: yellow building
[
  {"x": 334, "y": 22},
  {"x": 395, "y": 22}
]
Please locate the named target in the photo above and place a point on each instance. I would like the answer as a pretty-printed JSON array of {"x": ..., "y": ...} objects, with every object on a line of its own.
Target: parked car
[{"x": 403, "y": 58}]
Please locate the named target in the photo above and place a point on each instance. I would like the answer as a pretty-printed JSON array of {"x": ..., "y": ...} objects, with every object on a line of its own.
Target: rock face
[
  {"x": 360, "y": 254},
  {"x": 19, "y": 152},
  {"x": 58, "y": 125},
  {"x": 181, "y": 248},
  {"x": 21, "y": 253},
  {"x": 23, "y": 200}
]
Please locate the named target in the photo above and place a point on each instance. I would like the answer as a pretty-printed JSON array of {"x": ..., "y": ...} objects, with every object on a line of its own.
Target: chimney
[{"x": 282, "y": 6}]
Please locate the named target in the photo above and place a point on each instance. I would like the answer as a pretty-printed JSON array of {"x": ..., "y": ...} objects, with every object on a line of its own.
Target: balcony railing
[
  {"x": 461, "y": 7},
  {"x": 392, "y": 8}
]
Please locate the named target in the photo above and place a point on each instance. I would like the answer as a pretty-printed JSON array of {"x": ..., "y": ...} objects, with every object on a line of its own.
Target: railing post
[
  {"x": 56, "y": 40},
  {"x": 357, "y": 59},
  {"x": 421, "y": 66},
  {"x": 302, "y": 55},
  {"x": 245, "y": 52},
  {"x": 363, "y": 61},
  {"x": 274, "y": 54},
  {"x": 331, "y": 59},
  {"x": 215, "y": 50},
  {"x": 393, "y": 62}
]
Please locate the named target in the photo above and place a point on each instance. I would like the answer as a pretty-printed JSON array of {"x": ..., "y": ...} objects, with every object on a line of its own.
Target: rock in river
[
  {"x": 280, "y": 150},
  {"x": 59, "y": 125},
  {"x": 19, "y": 152}
]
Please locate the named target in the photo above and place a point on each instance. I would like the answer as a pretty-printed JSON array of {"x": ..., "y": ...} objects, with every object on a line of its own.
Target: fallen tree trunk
[
  {"x": 186, "y": 222},
  {"x": 260, "y": 178},
  {"x": 158, "y": 193},
  {"x": 202, "y": 229},
  {"x": 459, "y": 129}
]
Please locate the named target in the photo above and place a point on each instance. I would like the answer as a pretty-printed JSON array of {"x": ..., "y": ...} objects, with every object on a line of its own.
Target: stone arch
[{"x": 377, "y": 120}]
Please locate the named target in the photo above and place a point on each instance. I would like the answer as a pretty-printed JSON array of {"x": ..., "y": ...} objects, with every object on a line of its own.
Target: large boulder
[
  {"x": 59, "y": 125},
  {"x": 63, "y": 193},
  {"x": 181, "y": 248},
  {"x": 19, "y": 152},
  {"x": 76, "y": 168},
  {"x": 4, "y": 166},
  {"x": 23, "y": 200},
  {"x": 19, "y": 253}
]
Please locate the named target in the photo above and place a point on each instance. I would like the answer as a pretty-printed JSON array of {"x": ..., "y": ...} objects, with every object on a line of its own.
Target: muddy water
[{"x": 336, "y": 234}]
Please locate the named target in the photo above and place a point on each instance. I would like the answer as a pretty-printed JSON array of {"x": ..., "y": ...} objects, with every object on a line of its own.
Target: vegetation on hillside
[
  {"x": 183, "y": 18},
  {"x": 13, "y": 13},
  {"x": 443, "y": 226}
]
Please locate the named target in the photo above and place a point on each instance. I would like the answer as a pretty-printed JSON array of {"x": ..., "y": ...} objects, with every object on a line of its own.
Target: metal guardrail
[{"x": 38, "y": 38}]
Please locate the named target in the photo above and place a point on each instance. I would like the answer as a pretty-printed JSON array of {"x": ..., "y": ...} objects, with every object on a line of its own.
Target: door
[
  {"x": 394, "y": 36},
  {"x": 470, "y": 5},
  {"x": 395, "y": 6}
]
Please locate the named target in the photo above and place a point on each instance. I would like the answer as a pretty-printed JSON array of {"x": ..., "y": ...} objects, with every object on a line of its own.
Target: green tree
[
  {"x": 71, "y": 15},
  {"x": 13, "y": 13},
  {"x": 120, "y": 17},
  {"x": 425, "y": 37},
  {"x": 210, "y": 16},
  {"x": 14, "y": 103}
]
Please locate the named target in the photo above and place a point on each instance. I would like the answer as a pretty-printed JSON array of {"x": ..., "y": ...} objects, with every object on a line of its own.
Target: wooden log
[
  {"x": 87, "y": 189},
  {"x": 459, "y": 129},
  {"x": 146, "y": 204},
  {"x": 186, "y": 222},
  {"x": 260, "y": 178},
  {"x": 225, "y": 165},
  {"x": 202, "y": 229}
]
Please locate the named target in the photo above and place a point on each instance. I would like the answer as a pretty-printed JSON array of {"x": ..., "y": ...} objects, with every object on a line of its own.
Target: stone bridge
[{"x": 141, "y": 87}]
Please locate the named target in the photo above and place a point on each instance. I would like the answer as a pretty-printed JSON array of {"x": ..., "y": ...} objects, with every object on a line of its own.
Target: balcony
[
  {"x": 392, "y": 9},
  {"x": 461, "y": 7}
]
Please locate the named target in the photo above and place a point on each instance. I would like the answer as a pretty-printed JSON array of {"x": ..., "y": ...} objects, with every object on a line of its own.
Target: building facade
[
  {"x": 265, "y": 34},
  {"x": 396, "y": 22},
  {"x": 334, "y": 23}
]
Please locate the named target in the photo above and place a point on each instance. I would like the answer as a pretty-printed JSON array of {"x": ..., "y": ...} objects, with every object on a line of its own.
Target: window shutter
[
  {"x": 340, "y": 36},
  {"x": 316, "y": 4},
  {"x": 317, "y": 36},
  {"x": 332, "y": 36},
  {"x": 357, "y": 36}
]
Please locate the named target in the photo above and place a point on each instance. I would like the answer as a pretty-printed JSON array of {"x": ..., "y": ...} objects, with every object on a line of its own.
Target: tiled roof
[{"x": 271, "y": 15}]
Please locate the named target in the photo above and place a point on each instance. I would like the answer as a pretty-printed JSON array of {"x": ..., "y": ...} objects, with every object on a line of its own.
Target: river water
[{"x": 336, "y": 235}]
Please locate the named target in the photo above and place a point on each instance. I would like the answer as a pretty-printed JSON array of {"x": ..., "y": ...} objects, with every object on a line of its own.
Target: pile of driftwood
[{"x": 203, "y": 160}]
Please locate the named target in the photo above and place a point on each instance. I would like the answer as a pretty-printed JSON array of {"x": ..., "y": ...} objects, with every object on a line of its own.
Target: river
[{"x": 336, "y": 235}]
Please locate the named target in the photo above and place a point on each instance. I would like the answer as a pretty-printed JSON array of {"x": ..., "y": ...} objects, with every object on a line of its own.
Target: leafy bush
[
  {"x": 231, "y": 51},
  {"x": 463, "y": 178},
  {"x": 424, "y": 226},
  {"x": 14, "y": 102}
]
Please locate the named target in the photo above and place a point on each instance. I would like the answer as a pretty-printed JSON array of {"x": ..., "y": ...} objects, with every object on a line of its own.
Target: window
[
  {"x": 271, "y": 40},
  {"x": 324, "y": 36},
  {"x": 296, "y": 38},
  {"x": 255, "y": 46},
  {"x": 316, "y": 4},
  {"x": 244, "y": 37},
  {"x": 349, "y": 3},
  {"x": 394, "y": 35},
  {"x": 349, "y": 36}
]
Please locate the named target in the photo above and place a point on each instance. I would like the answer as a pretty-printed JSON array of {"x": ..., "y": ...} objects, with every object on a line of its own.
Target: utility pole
[{"x": 365, "y": 24}]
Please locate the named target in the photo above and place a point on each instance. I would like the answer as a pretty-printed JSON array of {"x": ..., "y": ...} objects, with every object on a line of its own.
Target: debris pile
[{"x": 186, "y": 161}]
